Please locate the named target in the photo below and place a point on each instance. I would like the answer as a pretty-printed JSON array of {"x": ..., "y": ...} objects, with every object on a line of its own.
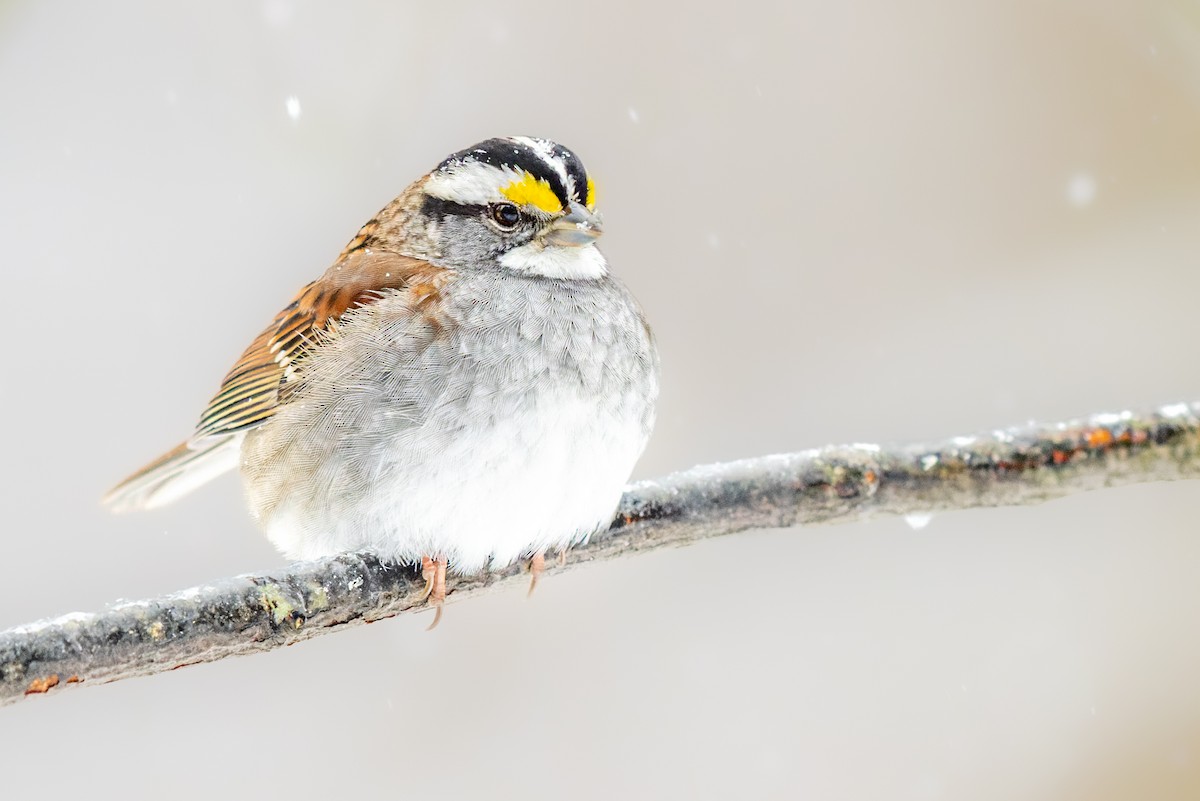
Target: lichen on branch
[{"x": 253, "y": 613}]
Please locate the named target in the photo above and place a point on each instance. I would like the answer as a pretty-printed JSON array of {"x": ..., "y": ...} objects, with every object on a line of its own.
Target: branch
[{"x": 255, "y": 613}]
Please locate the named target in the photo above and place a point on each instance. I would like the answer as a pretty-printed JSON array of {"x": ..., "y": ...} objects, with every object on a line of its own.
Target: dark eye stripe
[
  {"x": 507, "y": 153},
  {"x": 437, "y": 208}
]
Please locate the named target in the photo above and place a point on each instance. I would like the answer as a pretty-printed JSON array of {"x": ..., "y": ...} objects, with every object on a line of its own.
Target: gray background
[{"x": 865, "y": 221}]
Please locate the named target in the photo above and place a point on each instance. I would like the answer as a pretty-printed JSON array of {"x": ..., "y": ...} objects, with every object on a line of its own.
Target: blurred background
[{"x": 865, "y": 221}]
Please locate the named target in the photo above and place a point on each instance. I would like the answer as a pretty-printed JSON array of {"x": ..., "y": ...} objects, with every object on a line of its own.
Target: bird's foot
[
  {"x": 537, "y": 566},
  {"x": 434, "y": 573}
]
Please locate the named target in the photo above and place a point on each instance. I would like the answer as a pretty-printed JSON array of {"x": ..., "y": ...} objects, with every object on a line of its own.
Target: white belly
[{"x": 532, "y": 483}]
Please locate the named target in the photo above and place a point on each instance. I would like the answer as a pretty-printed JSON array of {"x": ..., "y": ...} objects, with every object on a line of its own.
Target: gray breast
[{"x": 388, "y": 392}]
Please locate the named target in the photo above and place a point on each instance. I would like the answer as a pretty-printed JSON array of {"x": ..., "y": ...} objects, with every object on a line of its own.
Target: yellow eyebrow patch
[
  {"x": 591, "y": 195},
  {"x": 531, "y": 191}
]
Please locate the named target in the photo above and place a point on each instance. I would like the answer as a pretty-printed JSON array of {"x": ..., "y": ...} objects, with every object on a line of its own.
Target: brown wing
[{"x": 251, "y": 391}]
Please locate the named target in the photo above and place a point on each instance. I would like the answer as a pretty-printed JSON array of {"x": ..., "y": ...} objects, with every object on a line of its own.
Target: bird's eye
[{"x": 505, "y": 215}]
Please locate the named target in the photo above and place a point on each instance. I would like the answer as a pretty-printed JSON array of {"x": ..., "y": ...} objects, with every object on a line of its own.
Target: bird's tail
[{"x": 176, "y": 473}]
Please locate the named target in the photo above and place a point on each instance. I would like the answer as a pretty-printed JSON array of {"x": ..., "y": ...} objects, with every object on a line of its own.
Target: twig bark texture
[{"x": 254, "y": 613}]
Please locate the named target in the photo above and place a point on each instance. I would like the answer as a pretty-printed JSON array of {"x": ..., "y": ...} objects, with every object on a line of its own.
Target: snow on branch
[{"x": 253, "y": 613}]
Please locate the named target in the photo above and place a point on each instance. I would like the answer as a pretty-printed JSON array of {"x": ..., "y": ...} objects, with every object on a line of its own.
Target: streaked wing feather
[{"x": 252, "y": 390}]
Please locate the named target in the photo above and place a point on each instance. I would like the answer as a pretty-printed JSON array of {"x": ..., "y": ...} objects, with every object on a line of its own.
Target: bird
[{"x": 467, "y": 386}]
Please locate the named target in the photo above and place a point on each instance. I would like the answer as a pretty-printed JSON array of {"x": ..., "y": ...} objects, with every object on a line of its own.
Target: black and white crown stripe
[{"x": 456, "y": 179}]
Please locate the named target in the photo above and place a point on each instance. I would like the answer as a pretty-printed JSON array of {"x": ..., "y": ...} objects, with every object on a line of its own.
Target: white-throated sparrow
[{"x": 467, "y": 384}]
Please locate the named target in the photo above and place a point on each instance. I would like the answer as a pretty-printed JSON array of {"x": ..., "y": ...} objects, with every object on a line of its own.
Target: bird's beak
[{"x": 575, "y": 229}]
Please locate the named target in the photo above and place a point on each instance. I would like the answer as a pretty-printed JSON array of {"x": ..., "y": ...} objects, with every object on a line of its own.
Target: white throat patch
[{"x": 556, "y": 261}]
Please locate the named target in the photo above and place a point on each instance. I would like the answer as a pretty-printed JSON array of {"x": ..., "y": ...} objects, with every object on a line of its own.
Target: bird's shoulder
[{"x": 258, "y": 382}]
